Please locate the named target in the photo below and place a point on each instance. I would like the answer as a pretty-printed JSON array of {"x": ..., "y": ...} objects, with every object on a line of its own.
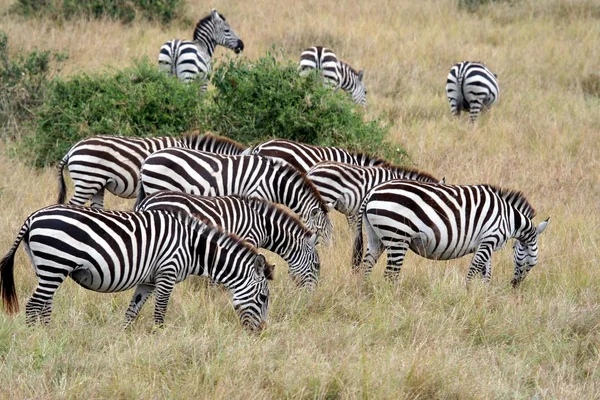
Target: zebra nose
[{"x": 240, "y": 47}]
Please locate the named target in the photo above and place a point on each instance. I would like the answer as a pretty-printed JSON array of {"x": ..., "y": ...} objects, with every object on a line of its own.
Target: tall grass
[{"x": 424, "y": 337}]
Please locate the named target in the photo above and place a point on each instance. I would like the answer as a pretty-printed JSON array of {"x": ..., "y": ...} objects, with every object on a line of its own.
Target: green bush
[
  {"x": 23, "y": 84},
  {"x": 125, "y": 10},
  {"x": 137, "y": 101},
  {"x": 256, "y": 101}
]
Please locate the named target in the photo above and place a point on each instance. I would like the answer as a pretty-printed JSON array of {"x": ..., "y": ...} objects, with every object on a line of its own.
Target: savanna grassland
[{"x": 425, "y": 336}]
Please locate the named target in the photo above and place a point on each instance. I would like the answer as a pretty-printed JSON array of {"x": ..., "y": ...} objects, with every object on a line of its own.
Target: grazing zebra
[
  {"x": 208, "y": 174},
  {"x": 189, "y": 60},
  {"x": 304, "y": 156},
  {"x": 113, "y": 163},
  {"x": 471, "y": 86},
  {"x": 442, "y": 222},
  {"x": 259, "y": 222},
  {"x": 344, "y": 187},
  {"x": 335, "y": 72},
  {"x": 113, "y": 251}
]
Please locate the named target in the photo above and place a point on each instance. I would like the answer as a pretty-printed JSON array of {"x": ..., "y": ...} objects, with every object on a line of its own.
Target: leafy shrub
[
  {"x": 125, "y": 10},
  {"x": 23, "y": 84},
  {"x": 137, "y": 101},
  {"x": 256, "y": 101}
]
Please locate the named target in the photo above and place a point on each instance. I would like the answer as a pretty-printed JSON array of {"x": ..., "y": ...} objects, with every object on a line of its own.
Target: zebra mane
[
  {"x": 414, "y": 173},
  {"x": 516, "y": 199},
  {"x": 209, "y": 137},
  {"x": 204, "y": 21},
  {"x": 348, "y": 66},
  {"x": 279, "y": 164},
  {"x": 365, "y": 159},
  {"x": 265, "y": 207}
]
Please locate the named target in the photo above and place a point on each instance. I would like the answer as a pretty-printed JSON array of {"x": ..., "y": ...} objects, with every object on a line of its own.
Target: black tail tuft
[
  {"x": 7, "y": 282},
  {"x": 62, "y": 188}
]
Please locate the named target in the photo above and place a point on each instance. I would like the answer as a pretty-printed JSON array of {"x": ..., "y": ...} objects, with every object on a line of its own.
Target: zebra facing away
[
  {"x": 259, "y": 222},
  {"x": 208, "y": 174},
  {"x": 344, "y": 187},
  {"x": 471, "y": 86},
  {"x": 444, "y": 222},
  {"x": 112, "y": 251},
  {"x": 189, "y": 60},
  {"x": 305, "y": 156},
  {"x": 335, "y": 72},
  {"x": 113, "y": 163}
]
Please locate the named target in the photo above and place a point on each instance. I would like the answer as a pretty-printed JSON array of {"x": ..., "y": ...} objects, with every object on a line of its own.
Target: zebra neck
[{"x": 204, "y": 36}]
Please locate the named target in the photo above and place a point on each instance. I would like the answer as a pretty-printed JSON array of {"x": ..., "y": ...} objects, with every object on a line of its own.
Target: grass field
[{"x": 423, "y": 337}]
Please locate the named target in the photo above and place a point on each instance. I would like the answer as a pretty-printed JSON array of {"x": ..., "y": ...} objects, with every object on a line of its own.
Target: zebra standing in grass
[
  {"x": 113, "y": 163},
  {"x": 209, "y": 174},
  {"x": 344, "y": 187},
  {"x": 443, "y": 222},
  {"x": 189, "y": 60},
  {"x": 259, "y": 222},
  {"x": 471, "y": 86},
  {"x": 304, "y": 156},
  {"x": 112, "y": 251},
  {"x": 335, "y": 72}
]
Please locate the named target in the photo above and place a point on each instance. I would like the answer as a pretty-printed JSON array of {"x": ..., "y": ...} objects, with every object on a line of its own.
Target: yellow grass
[{"x": 424, "y": 337}]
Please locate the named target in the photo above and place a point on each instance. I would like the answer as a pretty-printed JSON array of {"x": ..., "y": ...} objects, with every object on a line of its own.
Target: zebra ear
[
  {"x": 542, "y": 226},
  {"x": 443, "y": 181},
  {"x": 361, "y": 75},
  {"x": 215, "y": 14},
  {"x": 262, "y": 268}
]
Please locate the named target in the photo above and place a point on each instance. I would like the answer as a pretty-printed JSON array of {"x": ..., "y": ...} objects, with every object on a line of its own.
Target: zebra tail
[
  {"x": 7, "y": 278},
  {"x": 141, "y": 195},
  {"x": 62, "y": 188}
]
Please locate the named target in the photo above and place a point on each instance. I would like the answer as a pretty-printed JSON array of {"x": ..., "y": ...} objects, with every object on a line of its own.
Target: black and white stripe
[
  {"x": 305, "y": 156},
  {"x": 209, "y": 174},
  {"x": 112, "y": 251},
  {"x": 113, "y": 163},
  {"x": 344, "y": 187},
  {"x": 259, "y": 222},
  {"x": 444, "y": 222},
  {"x": 189, "y": 60},
  {"x": 335, "y": 72},
  {"x": 471, "y": 86}
]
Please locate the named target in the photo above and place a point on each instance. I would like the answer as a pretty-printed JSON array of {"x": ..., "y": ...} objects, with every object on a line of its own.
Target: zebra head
[
  {"x": 526, "y": 252},
  {"x": 359, "y": 92},
  {"x": 318, "y": 221},
  {"x": 305, "y": 266},
  {"x": 223, "y": 34},
  {"x": 252, "y": 301}
]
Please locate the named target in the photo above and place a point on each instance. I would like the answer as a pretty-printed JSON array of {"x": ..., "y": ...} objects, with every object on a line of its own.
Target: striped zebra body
[
  {"x": 444, "y": 222},
  {"x": 189, "y": 60},
  {"x": 305, "y": 156},
  {"x": 344, "y": 187},
  {"x": 113, "y": 163},
  {"x": 335, "y": 72},
  {"x": 209, "y": 174},
  {"x": 471, "y": 86},
  {"x": 112, "y": 251},
  {"x": 260, "y": 223}
]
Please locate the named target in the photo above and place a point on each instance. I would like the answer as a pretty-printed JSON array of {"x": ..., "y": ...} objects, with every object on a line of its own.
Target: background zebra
[
  {"x": 335, "y": 72},
  {"x": 112, "y": 251},
  {"x": 344, "y": 187},
  {"x": 471, "y": 86},
  {"x": 443, "y": 222},
  {"x": 113, "y": 163},
  {"x": 209, "y": 174},
  {"x": 259, "y": 222},
  {"x": 190, "y": 60},
  {"x": 305, "y": 156}
]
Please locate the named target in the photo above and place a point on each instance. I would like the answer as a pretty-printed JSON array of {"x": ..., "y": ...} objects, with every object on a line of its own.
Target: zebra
[
  {"x": 304, "y": 156},
  {"x": 344, "y": 186},
  {"x": 471, "y": 86},
  {"x": 259, "y": 222},
  {"x": 335, "y": 72},
  {"x": 209, "y": 174},
  {"x": 112, "y": 251},
  {"x": 189, "y": 60},
  {"x": 113, "y": 163},
  {"x": 443, "y": 222}
]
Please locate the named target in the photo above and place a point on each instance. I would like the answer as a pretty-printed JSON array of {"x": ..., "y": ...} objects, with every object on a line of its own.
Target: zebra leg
[
  {"x": 98, "y": 199},
  {"x": 395, "y": 258},
  {"x": 142, "y": 292},
  {"x": 39, "y": 306},
  {"x": 357, "y": 248},
  {"x": 475, "y": 107},
  {"x": 374, "y": 248},
  {"x": 481, "y": 263},
  {"x": 164, "y": 287},
  {"x": 85, "y": 191}
]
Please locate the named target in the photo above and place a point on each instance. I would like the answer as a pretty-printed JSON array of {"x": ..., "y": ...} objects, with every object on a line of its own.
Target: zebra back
[{"x": 213, "y": 143}]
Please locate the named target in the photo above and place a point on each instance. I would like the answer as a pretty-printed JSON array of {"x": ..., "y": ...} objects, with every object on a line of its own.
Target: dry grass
[{"x": 425, "y": 337}]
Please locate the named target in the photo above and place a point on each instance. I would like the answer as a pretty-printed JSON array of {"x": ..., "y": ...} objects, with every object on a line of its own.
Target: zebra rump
[{"x": 471, "y": 86}]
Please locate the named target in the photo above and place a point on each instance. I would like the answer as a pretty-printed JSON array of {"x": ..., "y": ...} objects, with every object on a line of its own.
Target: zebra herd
[{"x": 205, "y": 203}]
